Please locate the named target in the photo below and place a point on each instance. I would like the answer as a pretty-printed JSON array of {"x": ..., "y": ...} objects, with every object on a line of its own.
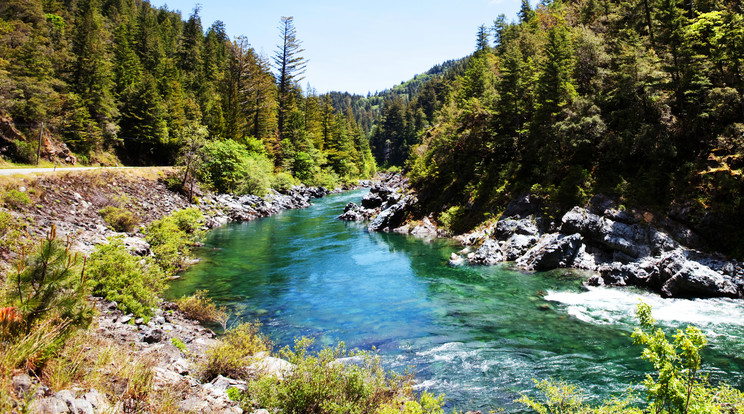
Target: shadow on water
[{"x": 478, "y": 334}]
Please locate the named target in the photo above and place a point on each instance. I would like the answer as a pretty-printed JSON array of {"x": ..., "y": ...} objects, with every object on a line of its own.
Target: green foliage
[
  {"x": 45, "y": 302},
  {"x": 230, "y": 168},
  {"x": 171, "y": 238},
  {"x": 427, "y": 404},
  {"x": 283, "y": 182},
  {"x": 50, "y": 283},
  {"x": 233, "y": 355},
  {"x": 132, "y": 282},
  {"x": 119, "y": 219},
  {"x": 11, "y": 231},
  {"x": 449, "y": 218},
  {"x": 319, "y": 383},
  {"x": 559, "y": 397},
  {"x": 677, "y": 386},
  {"x": 15, "y": 199}
]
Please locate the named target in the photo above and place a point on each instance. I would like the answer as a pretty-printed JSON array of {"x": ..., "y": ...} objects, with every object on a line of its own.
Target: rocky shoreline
[
  {"x": 74, "y": 211},
  {"x": 621, "y": 247}
]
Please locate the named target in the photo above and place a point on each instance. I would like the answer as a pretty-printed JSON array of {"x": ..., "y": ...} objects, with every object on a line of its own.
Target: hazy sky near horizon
[{"x": 357, "y": 46}]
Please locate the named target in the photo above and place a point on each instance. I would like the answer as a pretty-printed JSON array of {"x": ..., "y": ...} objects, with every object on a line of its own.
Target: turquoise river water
[{"x": 478, "y": 334}]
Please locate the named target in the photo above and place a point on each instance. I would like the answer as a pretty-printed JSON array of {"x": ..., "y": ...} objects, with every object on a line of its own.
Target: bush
[
  {"x": 229, "y": 168},
  {"x": 325, "y": 178},
  {"x": 283, "y": 182},
  {"x": 119, "y": 219},
  {"x": 11, "y": 231},
  {"x": 171, "y": 237},
  {"x": 133, "y": 283},
  {"x": 319, "y": 383},
  {"x": 449, "y": 218},
  {"x": 233, "y": 354},
  {"x": 16, "y": 199},
  {"x": 201, "y": 308}
]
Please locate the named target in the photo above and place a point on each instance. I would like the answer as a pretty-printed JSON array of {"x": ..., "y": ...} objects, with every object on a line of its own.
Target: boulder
[
  {"x": 488, "y": 253},
  {"x": 517, "y": 245},
  {"x": 630, "y": 239},
  {"x": 552, "y": 251},
  {"x": 268, "y": 365},
  {"x": 392, "y": 216},
  {"x": 683, "y": 277},
  {"x": 372, "y": 200},
  {"x": 508, "y": 227},
  {"x": 48, "y": 405}
]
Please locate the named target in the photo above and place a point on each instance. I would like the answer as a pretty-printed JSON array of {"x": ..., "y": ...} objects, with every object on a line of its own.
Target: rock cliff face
[{"x": 621, "y": 247}]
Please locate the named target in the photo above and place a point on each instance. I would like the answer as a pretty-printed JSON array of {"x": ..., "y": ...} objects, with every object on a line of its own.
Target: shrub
[
  {"x": 283, "y": 182},
  {"x": 675, "y": 386},
  {"x": 119, "y": 219},
  {"x": 449, "y": 218},
  {"x": 319, "y": 383},
  {"x": 16, "y": 199},
  {"x": 233, "y": 354},
  {"x": 258, "y": 176},
  {"x": 229, "y": 168},
  {"x": 132, "y": 282},
  {"x": 171, "y": 237},
  {"x": 201, "y": 308},
  {"x": 325, "y": 178},
  {"x": 11, "y": 231},
  {"x": 191, "y": 221}
]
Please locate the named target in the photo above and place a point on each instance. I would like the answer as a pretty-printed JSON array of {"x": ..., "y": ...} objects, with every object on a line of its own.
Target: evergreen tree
[{"x": 290, "y": 67}]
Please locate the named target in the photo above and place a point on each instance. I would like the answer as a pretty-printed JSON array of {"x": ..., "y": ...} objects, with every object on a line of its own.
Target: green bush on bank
[
  {"x": 228, "y": 167},
  {"x": 132, "y": 282},
  {"x": 171, "y": 237},
  {"x": 323, "y": 383}
]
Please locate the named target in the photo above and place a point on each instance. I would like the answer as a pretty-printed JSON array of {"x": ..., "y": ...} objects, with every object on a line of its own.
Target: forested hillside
[
  {"x": 120, "y": 78},
  {"x": 637, "y": 99}
]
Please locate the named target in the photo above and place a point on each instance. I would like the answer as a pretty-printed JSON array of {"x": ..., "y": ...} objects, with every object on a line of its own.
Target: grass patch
[
  {"x": 234, "y": 353},
  {"x": 203, "y": 309},
  {"x": 119, "y": 219}
]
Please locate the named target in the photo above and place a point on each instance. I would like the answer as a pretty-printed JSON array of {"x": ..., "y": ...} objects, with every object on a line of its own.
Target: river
[{"x": 478, "y": 334}]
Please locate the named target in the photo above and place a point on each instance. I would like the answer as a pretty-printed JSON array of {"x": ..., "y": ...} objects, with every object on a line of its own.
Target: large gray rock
[
  {"x": 551, "y": 251},
  {"x": 392, "y": 216},
  {"x": 684, "y": 277},
  {"x": 508, "y": 227},
  {"x": 48, "y": 405},
  {"x": 372, "y": 200},
  {"x": 488, "y": 253},
  {"x": 630, "y": 239},
  {"x": 517, "y": 245},
  {"x": 268, "y": 365}
]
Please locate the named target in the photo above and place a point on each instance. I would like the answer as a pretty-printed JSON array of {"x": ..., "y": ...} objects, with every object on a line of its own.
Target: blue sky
[{"x": 358, "y": 46}]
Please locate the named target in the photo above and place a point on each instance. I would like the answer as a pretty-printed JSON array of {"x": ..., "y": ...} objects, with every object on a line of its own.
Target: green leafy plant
[
  {"x": 50, "y": 283},
  {"x": 134, "y": 283},
  {"x": 119, "y": 219},
  {"x": 171, "y": 237},
  {"x": 677, "y": 386}
]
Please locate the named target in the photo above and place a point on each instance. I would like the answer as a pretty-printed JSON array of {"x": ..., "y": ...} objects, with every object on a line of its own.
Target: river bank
[
  {"x": 621, "y": 247},
  {"x": 170, "y": 345}
]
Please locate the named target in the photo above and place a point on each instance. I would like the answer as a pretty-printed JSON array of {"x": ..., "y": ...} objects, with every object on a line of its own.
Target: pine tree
[{"x": 290, "y": 66}]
